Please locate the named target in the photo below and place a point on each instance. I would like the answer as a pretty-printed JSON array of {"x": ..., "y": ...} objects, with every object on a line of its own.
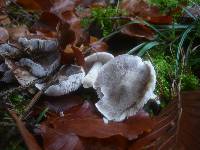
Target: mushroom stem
[{"x": 90, "y": 78}]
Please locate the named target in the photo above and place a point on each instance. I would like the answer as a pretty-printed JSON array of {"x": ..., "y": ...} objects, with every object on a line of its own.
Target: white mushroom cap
[
  {"x": 93, "y": 63},
  {"x": 124, "y": 85},
  {"x": 101, "y": 57},
  {"x": 68, "y": 80}
]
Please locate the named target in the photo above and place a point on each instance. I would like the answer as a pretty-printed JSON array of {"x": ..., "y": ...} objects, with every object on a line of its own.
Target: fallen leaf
[
  {"x": 23, "y": 76},
  {"x": 66, "y": 35},
  {"x": 30, "y": 4},
  {"x": 160, "y": 20},
  {"x": 4, "y": 35},
  {"x": 139, "y": 31},
  {"x": 140, "y": 8},
  {"x": 79, "y": 57},
  {"x": 17, "y": 32},
  {"x": 62, "y": 103},
  {"x": 79, "y": 118},
  {"x": 59, "y": 141},
  {"x": 99, "y": 46},
  {"x": 27, "y": 136},
  {"x": 189, "y": 133}
]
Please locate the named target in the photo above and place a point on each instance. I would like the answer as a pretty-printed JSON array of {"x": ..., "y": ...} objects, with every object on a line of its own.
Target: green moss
[
  {"x": 167, "y": 5},
  {"x": 103, "y": 18},
  {"x": 189, "y": 82},
  {"x": 164, "y": 66}
]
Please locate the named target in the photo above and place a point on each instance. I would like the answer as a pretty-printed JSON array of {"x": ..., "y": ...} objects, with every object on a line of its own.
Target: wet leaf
[
  {"x": 188, "y": 137},
  {"x": 62, "y": 103},
  {"x": 79, "y": 118},
  {"x": 79, "y": 57},
  {"x": 160, "y": 20},
  {"x": 140, "y": 8},
  {"x": 139, "y": 31}
]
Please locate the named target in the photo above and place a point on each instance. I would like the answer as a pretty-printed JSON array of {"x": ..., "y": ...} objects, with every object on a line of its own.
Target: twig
[
  {"x": 27, "y": 136},
  {"x": 37, "y": 96}
]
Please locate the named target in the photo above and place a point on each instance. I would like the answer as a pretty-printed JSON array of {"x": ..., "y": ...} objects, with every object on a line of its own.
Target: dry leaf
[
  {"x": 99, "y": 46},
  {"x": 139, "y": 31},
  {"x": 140, "y": 8},
  {"x": 62, "y": 103},
  {"x": 79, "y": 118},
  {"x": 189, "y": 133},
  {"x": 17, "y": 32}
]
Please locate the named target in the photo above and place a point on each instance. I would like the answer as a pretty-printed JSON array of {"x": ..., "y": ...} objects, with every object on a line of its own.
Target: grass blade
[
  {"x": 133, "y": 50},
  {"x": 180, "y": 45},
  {"x": 147, "y": 47}
]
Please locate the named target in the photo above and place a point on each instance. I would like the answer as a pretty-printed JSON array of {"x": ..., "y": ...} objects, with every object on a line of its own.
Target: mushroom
[
  {"x": 41, "y": 67},
  {"x": 124, "y": 85},
  {"x": 8, "y": 50},
  {"x": 39, "y": 44},
  {"x": 67, "y": 80},
  {"x": 94, "y": 62}
]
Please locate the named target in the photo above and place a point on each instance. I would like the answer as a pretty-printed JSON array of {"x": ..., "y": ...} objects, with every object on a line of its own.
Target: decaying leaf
[
  {"x": 139, "y": 31},
  {"x": 22, "y": 75},
  {"x": 4, "y": 36},
  {"x": 188, "y": 136},
  {"x": 140, "y": 8},
  {"x": 82, "y": 117},
  {"x": 62, "y": 103}
]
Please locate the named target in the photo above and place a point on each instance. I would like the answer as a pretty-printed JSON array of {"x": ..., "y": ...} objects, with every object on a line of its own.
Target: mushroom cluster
[
  {"x": 37, "y": 58},
  {"x": 123, "y": 83}
]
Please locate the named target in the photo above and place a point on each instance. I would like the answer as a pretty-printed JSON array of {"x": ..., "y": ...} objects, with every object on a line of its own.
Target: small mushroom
[
  {"x": 8, "y": 50},
  {"x": 67, "y": 80},
  {"x": 94, "y": 62},
  {"x": 124, "y": 85},
  {"x": 41, "y": 67},
  {"x": 39, "y": 44}
]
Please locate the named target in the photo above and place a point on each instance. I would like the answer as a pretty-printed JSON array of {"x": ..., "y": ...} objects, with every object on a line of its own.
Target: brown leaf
[
  {"x": 140, "y": 8},
  {"x": 160, "y": 20},
  {"x": 139, "y": 31},
  {"x": 77, "y": 119},
  {"x": 66, "y": 35},
  {"x": 189, "y": 133},
  {"x": 99, "y": 46},
  {"x": 57, "y": 141},
  {"x": 62, "y": 103},
  {"x": 27, "y": 136},
  {"x": 4, "y": 35},
  {"x": 4, "y": 20},
  {"x": 67, "y": 55},
  {"x": 30, "y": 4},
  {"x": 47, "y": 23},
  {"x": 79, "y": 57}
]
